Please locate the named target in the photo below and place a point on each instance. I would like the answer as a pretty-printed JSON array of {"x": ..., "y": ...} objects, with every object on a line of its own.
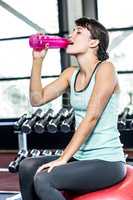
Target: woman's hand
[
  {"x": 49, "y": 166},
  {"x": 40, "y": 54}
]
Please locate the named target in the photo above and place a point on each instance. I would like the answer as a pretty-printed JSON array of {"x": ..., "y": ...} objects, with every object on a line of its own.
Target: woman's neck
[{"x": 87, "y": 63}]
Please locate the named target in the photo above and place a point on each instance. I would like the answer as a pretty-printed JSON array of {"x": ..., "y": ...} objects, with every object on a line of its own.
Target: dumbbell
[
  {"x": 131, "y": 119},
  {"x": 19, "y": 123},
  {"x": 40, "y": 125},
  {"x": 14, "y": 165},
  {"x": 46, "y": 152},
  {"x": 28, "y": 124},
  {"x": 34, "y": 153},
  {"x": 123, "y": 119},
  {"x": 53, "y": 124},
  {"x": 131, "y": 124},
  {"x": 58, "y": 152},
  {"x": 68, "y": 124}
]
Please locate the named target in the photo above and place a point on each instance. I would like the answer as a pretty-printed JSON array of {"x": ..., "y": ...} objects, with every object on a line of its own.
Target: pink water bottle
[{"x": 38, "y": 41}]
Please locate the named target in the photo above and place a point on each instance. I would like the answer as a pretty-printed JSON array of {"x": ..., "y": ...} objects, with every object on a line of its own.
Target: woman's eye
[{"x": 78, "y": 32}]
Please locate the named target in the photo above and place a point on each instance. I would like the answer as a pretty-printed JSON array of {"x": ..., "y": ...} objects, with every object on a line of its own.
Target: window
[
  {"x": 115, "y": 14},
  {"x": 17, "y": 24},
  {"x": 121, "y": 48},
  {"x": 116, "y": 17},
  {"x": 43, "y": 14}
]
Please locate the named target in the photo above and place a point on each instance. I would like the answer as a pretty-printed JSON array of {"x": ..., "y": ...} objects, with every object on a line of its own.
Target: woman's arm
[
  {"x": 106, "y": 83},
  {"x": 40, "y": 95}
]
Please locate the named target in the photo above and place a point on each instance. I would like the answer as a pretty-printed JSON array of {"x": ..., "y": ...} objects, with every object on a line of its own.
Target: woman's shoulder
[
  {"x": 107, "y": 63},
  {"x": 68, "y": 72},
  {"x": 71, "y": 69},
  {"x": 107, "y": 72},
  {"x": 106, "y": 66}
]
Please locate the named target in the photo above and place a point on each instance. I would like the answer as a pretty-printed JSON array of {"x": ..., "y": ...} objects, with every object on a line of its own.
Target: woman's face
[{"x": 79, "y": 41}]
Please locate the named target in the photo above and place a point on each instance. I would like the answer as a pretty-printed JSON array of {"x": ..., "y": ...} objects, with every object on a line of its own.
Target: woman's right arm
[{"x": 40, "y": 95}]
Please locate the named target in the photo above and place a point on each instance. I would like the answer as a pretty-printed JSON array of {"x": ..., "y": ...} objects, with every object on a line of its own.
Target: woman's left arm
[{"x": 105, "y": 84}]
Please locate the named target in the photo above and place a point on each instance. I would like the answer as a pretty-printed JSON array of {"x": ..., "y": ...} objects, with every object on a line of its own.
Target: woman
[{"x": 94, "y": 158}]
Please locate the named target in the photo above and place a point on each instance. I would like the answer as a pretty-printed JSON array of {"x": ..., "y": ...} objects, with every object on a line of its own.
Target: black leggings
[{"x": 75, "y": 176}]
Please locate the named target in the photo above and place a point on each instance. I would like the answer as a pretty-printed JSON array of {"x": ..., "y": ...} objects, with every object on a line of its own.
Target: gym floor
[{"x": 9, "y": 184}]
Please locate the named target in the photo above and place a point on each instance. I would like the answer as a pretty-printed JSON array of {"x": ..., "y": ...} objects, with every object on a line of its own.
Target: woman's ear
[{"x": 94, "y": 43}]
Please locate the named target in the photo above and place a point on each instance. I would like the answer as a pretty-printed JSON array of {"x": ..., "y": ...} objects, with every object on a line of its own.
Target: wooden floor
[{"x": 8, "y": 181}]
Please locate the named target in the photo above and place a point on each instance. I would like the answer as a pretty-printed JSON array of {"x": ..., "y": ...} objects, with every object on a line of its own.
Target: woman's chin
[{"x": 71, "y": 52}]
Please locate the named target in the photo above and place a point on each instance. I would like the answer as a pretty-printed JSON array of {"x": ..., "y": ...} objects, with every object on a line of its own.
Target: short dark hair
[{"x": 98, "y": 31}]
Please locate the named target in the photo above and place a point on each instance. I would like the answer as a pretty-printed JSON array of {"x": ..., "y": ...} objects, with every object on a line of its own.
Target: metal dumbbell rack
[{"x": 22, "y": 140}]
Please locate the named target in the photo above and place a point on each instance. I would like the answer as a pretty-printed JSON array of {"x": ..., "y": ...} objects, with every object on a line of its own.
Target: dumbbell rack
[
  {"x": 24, "y": 126},
  {"x": 38, "y": 120},
  {"x": 22, "y": 140}
]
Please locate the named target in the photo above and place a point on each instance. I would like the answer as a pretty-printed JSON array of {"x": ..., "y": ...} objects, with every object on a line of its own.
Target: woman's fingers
[
  {"x": 49, "y": 166},
  {"x": 50, "y": 169},
  {"x": 43, "y": 167}
]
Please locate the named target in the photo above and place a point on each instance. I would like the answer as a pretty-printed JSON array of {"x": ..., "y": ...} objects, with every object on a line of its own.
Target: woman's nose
[{"x": 69, "y": 36}]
